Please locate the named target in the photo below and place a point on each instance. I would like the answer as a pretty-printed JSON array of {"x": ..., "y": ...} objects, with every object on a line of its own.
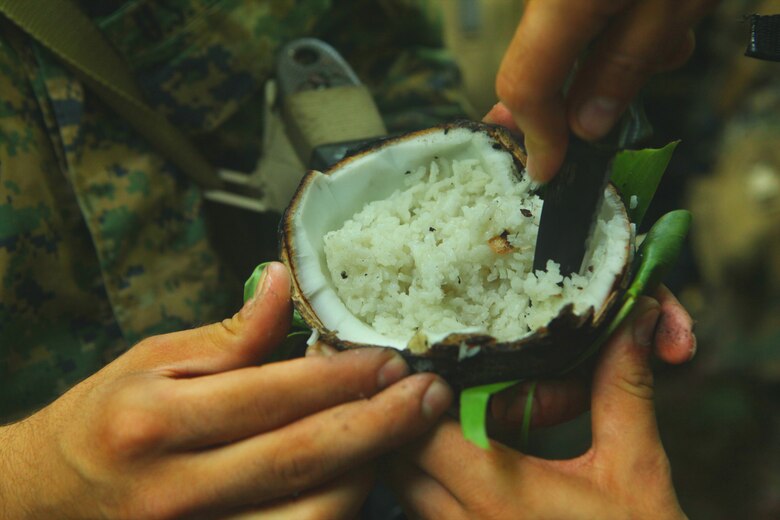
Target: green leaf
[
  {"x": 250, "y": 286},
  {"x": 637, "y": 173},
  {"x": 473, "y": 411},
  {"x": 298, "y": 323},
  {"x": 525, "y": 432},
  {"x": 656, "y": 256},
  {"x": 288, "y": 348},
  {"x": 660, "y": 250}
]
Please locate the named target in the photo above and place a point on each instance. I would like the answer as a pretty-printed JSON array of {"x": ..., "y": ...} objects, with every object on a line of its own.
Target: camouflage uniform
[{"x": 102, "y": 240}]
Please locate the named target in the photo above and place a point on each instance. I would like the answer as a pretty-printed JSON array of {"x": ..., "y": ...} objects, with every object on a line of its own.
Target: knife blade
[{"x": 571, "y": 202}]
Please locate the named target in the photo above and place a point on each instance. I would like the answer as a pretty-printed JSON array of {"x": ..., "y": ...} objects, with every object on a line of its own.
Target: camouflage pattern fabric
[{"x": 102, "y": 241}]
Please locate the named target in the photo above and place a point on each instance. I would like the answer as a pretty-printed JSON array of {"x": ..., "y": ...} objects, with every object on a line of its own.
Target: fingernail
[
  {"x": 598, "y": 115},
  {"x": 530, "y": 168},
  {"x": 644, "y": 326},
  {"x": 436, "y": 399},
  {"x": 693, "y": 347},
  {"x": 263, "y": 283},
  {"x": 533, "y": 166},
  {"x": 392, "y": 371},
  {"x": 489, "y": 119},
  {"x": 260, "y": 287}
]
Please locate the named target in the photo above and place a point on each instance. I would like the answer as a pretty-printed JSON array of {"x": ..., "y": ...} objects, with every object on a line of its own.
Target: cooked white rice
[{"x": 420, "y": 260}]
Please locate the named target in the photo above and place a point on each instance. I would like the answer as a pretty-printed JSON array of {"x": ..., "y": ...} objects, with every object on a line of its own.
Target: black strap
[{"x": 764, "y": 37}]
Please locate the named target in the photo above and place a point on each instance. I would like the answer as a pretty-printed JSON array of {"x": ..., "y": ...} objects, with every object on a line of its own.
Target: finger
[
  {"x": 421, "y": 495},
  {"x": 679, "y": 55},
  {"x": 535, "y": 67},
  {"x": 623, "y": 417},
  {"x": 233, "y": 405},
  {"x": 447, "y": 457},
  {"x": 675, "y": 341},
  {"x": 482, "y": 480},
  {"x": 320, "y": 348},
  {"x": 317, "y": 448},
  {"x": 557, "y": 401},
  {"x": 253, "y": 332},
  {"x": 500, "y": 115},
  {"x": 340, "y": 498},
  {"x": 553, "y": 402},
  {"x": 500, "y": 482},
  {"x": 637, "y": 44}
]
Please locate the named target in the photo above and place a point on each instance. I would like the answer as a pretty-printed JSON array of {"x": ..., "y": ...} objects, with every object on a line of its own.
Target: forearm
[
  {"x": 14, "y": 464},
  {"x": 26, "y": 476}
]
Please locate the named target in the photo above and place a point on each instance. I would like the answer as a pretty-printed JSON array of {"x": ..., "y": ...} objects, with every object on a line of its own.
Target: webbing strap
[
  {"x": 764, "y": 37},
  {"x": 330, "y": 115},
  {"x": 62, "y": 28}
]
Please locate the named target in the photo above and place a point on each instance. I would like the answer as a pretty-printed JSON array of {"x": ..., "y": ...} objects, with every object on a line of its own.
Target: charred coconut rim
[{"x": 324, "y": 201}]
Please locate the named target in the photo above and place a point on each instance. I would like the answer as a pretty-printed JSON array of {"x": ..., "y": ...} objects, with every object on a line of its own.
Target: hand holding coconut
[
  {"x": 629, "y": 42},
  {"x": 624, "y": 474},
  {"x": 559, "y": 400},
  {"x": 188, "y": 423}
]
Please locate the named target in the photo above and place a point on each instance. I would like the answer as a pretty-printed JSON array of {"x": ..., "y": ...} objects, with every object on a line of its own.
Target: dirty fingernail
[
  {"x": 530, "y": 168},
  {"x": 254, "y": 289},
  {"x": 537, "y": 163},
  {"x": 598, "y": 115},
  {"x": 392, "y": 371},
  {"x": 263, "y": 283},
  {"x": 436, "y": 399}
]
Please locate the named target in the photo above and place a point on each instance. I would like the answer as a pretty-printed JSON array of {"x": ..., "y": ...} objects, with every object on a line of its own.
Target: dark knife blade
[{"x": 571, "y": 202}]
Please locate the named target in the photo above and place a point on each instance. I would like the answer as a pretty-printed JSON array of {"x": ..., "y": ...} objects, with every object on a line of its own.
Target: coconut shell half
[{"x": 325, "y": 200}]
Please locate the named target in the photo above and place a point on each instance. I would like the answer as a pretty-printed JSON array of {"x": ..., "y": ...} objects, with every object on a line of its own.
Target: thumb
[
  {"x": 242, "y": 340},
  {"x": 500, "y": 115},
  {"x": 622, "y": 398}
]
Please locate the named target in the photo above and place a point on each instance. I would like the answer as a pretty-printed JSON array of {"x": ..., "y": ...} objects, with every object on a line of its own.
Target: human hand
[
  {"x": 625, "y": 474},
  {"x": 630, "y": 40},
  {"x": 559, "y": 400},
  {"x": 187, "y": 424}
]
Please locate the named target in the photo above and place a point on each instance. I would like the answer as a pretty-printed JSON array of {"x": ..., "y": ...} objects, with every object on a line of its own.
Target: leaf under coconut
[
  {"x": 475, "y": 401},
  {"x": 637, "y": 173}
]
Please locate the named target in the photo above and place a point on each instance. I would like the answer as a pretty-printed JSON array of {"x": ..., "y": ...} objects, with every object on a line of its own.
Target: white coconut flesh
[{"x": 435, "y": 235}]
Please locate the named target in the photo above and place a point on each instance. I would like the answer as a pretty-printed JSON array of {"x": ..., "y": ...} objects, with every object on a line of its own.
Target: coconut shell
[{"x": 465, "y": 360}]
